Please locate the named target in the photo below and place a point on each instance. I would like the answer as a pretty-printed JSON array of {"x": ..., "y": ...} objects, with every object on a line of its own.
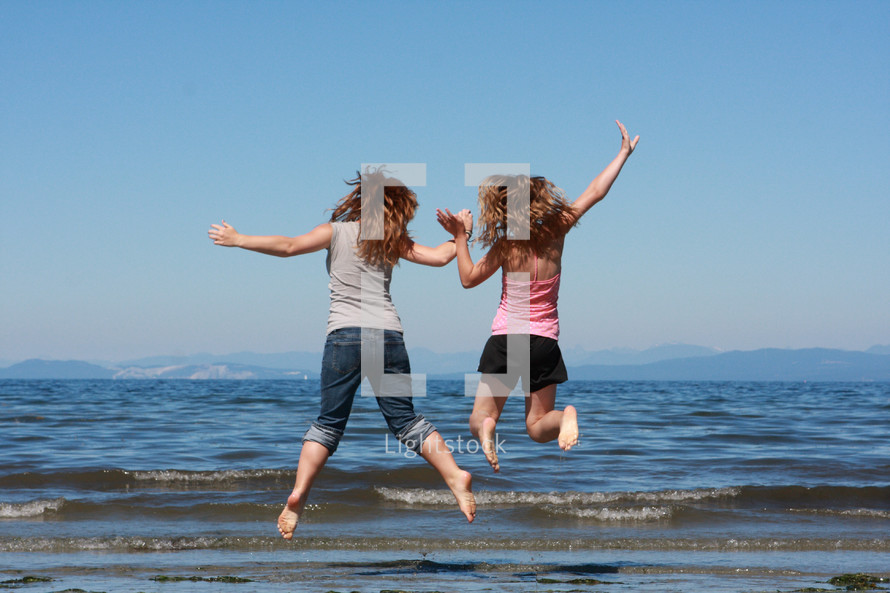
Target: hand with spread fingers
[{"x": 456, "y": 224}]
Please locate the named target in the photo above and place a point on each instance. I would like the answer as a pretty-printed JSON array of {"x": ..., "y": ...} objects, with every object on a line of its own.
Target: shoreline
[{"x": 370, "y": 572}]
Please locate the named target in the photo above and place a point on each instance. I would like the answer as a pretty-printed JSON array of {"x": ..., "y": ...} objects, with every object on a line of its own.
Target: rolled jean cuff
[
  {"x": 415, "y": 433},
  {"x": 324, "y": 435}
]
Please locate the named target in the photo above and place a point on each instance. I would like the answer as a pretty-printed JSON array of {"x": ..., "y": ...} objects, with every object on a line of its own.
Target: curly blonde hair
[
  {"x": 399, "y": 206},
  {"x": 548, "y": 213}
]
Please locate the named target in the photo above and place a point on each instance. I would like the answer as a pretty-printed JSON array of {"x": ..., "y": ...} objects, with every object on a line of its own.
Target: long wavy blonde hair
[
  {"x": 547, "y": 212},
  {"x": 399, "y": 206}
]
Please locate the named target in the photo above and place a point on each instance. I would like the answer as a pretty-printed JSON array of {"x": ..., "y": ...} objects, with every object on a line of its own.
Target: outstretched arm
[
  {"x": 316, "y": 239},
  {"x": 459, "y": 225},
  {"x": 601, "y": 184},
  {"x": 429, "y": 256}
]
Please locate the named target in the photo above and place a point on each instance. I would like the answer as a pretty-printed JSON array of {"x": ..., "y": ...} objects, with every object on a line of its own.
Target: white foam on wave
[
  {"x": 557, "y": 499},
  {"x": 34, "y": 508},
  {"x": 865, "y": 513},
  {"x": 568, "y": 504},
  {"x": 128, "y": 544},
  {"x": 172, "y": 475},
  {"x": 617, "y": 514},
  {"x": 417, "y": 495},
  {"x": 684, "y": 495}
]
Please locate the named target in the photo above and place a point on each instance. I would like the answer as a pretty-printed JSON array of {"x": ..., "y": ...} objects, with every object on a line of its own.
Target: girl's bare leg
[
  {"x": 436, "y": 453},
  {"x": 312, "y": 458},
  {"x": 544, "y": 424},
  {"x": 491, "y": 395}
]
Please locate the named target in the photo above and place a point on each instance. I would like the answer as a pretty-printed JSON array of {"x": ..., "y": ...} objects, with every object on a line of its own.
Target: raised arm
[
  {"x": 601, "y": 184},
  {"x": 316, "y": 239},
  {"x": 460, "y": 225}
]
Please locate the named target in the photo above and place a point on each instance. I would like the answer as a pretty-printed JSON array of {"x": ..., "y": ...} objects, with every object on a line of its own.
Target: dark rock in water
[
  {"x": 857, "y": 582},
  {"x": 549, "y": 581},
  {"x": 24, "y": 581},
  {"x": 195, "y": 579}
]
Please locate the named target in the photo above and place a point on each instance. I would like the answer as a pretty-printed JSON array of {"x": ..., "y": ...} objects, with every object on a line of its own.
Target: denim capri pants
[{"x": 342, "y": 374}]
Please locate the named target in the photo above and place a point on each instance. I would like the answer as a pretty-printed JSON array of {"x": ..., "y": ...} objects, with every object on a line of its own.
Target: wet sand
[{"x": 298, "y": 571}]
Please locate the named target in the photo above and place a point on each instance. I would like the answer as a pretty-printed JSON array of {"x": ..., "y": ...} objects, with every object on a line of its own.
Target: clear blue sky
[{"x": 754, "y": 212}]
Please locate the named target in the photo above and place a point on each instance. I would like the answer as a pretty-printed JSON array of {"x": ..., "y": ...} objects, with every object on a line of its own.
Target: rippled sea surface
[{"x": 675, "y": 486}]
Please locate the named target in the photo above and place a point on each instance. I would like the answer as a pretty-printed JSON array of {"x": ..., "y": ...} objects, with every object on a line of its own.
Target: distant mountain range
[
  {"x": 770, "y": 364},
  {"x": 77, "y": 369},
  {"x": 672, "y": 362}
]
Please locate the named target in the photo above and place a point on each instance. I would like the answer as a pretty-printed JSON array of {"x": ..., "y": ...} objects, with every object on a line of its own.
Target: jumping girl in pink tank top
[{"x": 527, "y": 314}]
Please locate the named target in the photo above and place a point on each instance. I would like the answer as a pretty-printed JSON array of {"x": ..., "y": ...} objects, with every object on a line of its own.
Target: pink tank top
[{"x": 536, "y": 297}]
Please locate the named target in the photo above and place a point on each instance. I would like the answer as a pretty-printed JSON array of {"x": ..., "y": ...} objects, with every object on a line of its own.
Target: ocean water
[{"x": 675, "y": 486}]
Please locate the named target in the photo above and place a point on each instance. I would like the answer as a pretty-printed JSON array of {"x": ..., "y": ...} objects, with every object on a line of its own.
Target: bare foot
[
  {"x": 568, "y": 429},
  {"x": 489, "y": 447},
  {"x": 290, "y": 516},
  {"x": 462, "y": 488}
]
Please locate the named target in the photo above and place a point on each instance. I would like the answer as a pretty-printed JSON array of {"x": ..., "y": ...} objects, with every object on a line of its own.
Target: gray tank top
[{"x": 359, "y": 291}]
